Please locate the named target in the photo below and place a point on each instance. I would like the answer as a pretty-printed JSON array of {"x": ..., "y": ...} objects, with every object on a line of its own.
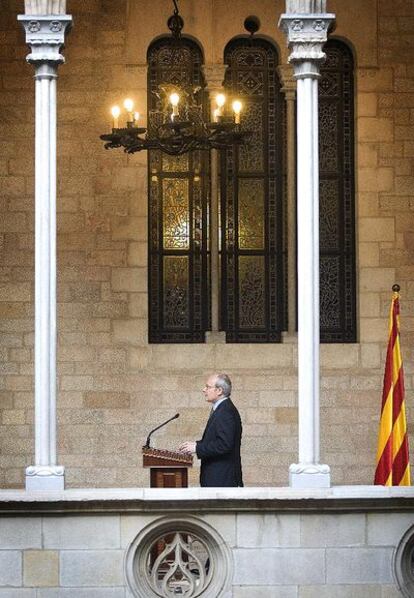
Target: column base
[
  {"x": 45, "y": 478},
  {"x": 215, "y": 337},
  {"x": 309, "y": 475}
]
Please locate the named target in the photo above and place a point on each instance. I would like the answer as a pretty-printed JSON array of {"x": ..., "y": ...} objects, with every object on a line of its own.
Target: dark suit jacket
[{"x": 219, "y": 448}]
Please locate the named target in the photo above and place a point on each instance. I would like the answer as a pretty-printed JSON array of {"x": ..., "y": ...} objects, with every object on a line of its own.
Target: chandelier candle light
[
  {"x": 237, "y": 107},
  {"x": 115, "y": 111},
  {"x": 218, "y": 112},
  {"x": 174, "y": 99},
  {"x": 175, "y": 135},
  {"x": 129, "y": 106}
]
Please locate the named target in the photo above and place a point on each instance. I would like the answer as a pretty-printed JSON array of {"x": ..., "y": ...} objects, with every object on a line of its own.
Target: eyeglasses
[{"x": 209, "y": 386}]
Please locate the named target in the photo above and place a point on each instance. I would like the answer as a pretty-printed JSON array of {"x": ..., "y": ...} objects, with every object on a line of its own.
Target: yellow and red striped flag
[{"x": 393, "y": 464}]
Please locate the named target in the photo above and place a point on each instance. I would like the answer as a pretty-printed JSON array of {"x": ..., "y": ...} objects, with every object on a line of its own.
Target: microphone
[{"x": 147, "y": 445}]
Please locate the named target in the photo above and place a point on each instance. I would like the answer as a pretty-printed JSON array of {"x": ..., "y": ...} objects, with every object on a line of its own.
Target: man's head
[{"x": 218, "y": 387}]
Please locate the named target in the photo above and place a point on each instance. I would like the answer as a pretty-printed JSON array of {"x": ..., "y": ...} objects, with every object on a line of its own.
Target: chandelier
[{"x": 178, "y": 125}]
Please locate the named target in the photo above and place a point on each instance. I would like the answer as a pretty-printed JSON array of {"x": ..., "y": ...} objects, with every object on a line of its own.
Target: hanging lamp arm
[{"x": 175, "y": 23}]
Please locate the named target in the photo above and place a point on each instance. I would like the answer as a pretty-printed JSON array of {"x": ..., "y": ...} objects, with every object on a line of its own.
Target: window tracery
[
  {"x": 252, "y": 203},
  {"x": 337, "y": 211},
  {"x": 252, "y": 199},
  {"x": 178, "y": 196}
]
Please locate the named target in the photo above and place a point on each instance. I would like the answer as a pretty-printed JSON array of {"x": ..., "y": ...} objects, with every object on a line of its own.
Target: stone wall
[
  {"x": 113, "y": 386},
  {"x": 288, "y": 551}
]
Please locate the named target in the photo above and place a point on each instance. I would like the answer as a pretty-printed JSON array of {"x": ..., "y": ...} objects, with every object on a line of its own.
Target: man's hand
[{"x": 187, "y": 447}]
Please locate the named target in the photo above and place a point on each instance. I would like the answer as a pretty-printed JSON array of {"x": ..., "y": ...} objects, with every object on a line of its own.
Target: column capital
[
  {"x": 306, "y": 35},
  {"x": 214, "y": 76},
  {"x": 45, "y": 34},
  {"x": 287, "y": 80}
]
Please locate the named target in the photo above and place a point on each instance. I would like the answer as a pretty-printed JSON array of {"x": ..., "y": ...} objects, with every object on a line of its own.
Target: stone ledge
[
  {"x": 254, "y": 356},
  {"x": 138, "y": 500}
]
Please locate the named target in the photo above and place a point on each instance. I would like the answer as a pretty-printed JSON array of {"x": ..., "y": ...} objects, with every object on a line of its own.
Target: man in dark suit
[{"x": 219, "y": 447}]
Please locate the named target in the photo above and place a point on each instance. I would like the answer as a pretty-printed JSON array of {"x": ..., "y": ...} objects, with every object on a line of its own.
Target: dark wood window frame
[
  {"x": 337, "y": 195},
  {"x": 178, "y": 286},
  {"x": 253, "y": 269},
  {"x": 178, "y": 314}
]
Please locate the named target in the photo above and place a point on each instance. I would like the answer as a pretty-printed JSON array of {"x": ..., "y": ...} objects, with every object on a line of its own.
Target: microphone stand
[{"x": 147, "y": 444}]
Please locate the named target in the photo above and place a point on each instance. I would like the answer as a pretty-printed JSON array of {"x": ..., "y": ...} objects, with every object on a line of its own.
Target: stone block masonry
[
  {"x": 112, "y": 385},
  {"x": 282, "y": 544}
]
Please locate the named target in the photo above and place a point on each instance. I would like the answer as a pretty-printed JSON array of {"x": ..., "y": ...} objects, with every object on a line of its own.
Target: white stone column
[
  {"x": 289, "y": 90},
  {"x": 214, "y": 76},
  {"x": 45, "y": 34},
  {"x": 306, "y": 25}
]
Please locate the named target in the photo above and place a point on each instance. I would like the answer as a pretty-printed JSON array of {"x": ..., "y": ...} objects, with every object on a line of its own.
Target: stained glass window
[
  {"x": 178, "y": 197},
  {"x": 252, "y": 204},
  {"x": 252, "y": 200},
  {"x": 337, "y": 216}
]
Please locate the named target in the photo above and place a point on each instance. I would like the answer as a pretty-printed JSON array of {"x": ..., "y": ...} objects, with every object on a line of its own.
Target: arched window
[
  {"x": 252, "y": 203},
  {"x": 252, "y": 199},
  {"x": 178, "y": 193},
  {"x": 337, "y": 202}
]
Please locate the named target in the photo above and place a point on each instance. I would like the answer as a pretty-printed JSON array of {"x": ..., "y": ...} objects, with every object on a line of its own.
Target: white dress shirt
[{"x": 217, "y": 403}]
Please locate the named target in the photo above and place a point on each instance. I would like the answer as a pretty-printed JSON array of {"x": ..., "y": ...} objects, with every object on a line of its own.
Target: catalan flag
[{"x": 393, "y": 465}]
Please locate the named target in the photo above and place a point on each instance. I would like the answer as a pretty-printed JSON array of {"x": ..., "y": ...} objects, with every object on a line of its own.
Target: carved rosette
[
  {"x": 306, "y": 36},
  {"x": 46, "y": 36}
]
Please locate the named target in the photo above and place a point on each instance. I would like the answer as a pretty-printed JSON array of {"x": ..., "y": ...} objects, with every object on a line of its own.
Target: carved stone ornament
[
  {"x": 182, "y": 556},
  {"x": 56, "y": 26},
  {"x": 306, "y": 36},
  {"x": 45, "y": 470},
  {"x": 297, "y": 25},
  {"x": 309, "y": 468},
  {"x": 288, "y": 82},
  {"x": 33, "y": 26},
  {"x": 45, "y": 36},
  {"x": 306, "y": 52},
  {"x": 319, "y": 25},
  {"x": 303, "y": 28}
]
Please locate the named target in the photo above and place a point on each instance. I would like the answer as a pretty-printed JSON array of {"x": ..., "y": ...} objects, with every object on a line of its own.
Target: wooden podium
[{"x": 167, "y": 468}]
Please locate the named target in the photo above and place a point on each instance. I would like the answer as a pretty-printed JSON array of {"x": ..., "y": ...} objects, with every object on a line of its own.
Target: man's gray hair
[{"x": 224, "y": 382}]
